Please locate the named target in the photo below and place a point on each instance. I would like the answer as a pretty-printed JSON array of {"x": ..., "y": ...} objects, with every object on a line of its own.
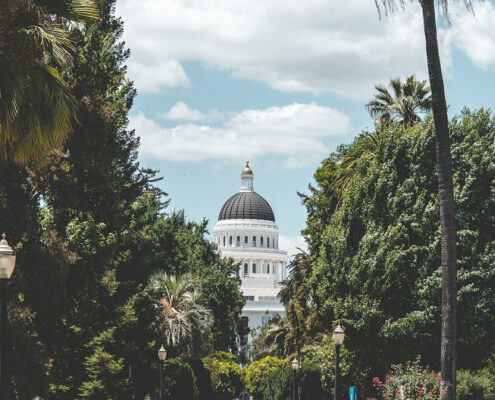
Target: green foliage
[
  {"x": 179, "y": 381},
  {"x": 257, "y": 372},
  {"x": 203, "y": 379},
  {"x": 279, "y": 384},
  {"x": 270, "y": 339},
  {"x": 352, "y": 371},
  {"x": 37, "y": 110},
  {"x": 227, "y": 377},
  {"x": 86, "y": 255},
  {"x": 295, "y": 296},
  {"x": 180, "y": 319},
  {"x": 376, "y": 265},
  {"x": 409, "y": 381},
  {"x": 310, "y": 378},
  {"x": 474, "y": 386}
]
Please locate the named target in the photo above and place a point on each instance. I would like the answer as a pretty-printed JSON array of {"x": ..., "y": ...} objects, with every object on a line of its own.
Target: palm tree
[
  {"x": 276, "y": 332},
  {"x": 445, "y": 190},
  {"x": 406, "y": 101},
  {"x": 36, "y": 107},
  {"x": 271, "y": 339},
  {"x": 181, "y": 320}
]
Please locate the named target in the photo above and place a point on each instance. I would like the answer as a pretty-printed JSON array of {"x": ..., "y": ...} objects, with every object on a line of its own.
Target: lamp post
[
  {"x": 295, "y": 366},
  {"x": 162, "y": 355},
  {"x": 338, "y": 339},
  {"x": 7, "y": 264}
]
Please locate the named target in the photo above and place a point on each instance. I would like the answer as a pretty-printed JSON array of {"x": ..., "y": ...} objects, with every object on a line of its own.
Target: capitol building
[{"x": 246, "y": 232}]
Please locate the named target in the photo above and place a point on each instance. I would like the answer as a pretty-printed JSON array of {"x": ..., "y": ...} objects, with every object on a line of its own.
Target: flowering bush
[{"x": 409, "y": 382}]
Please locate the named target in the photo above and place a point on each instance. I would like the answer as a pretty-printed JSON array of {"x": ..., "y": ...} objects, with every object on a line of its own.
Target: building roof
[{"x": 246, "y": 205}]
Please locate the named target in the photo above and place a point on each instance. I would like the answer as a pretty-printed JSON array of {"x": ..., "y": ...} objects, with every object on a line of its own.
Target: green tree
[
  {"x": 227, "y": 377},
  {"x": 179, "y": 381},
  {"x": 376, "y": 259},
  {"x": 37, "y": 109},
  {"x": 407, "y": 100},
  {"x": 180, "y": 318},
  {"x": 474, "y": 385},
  {"x": 258, "y": 371},
  {"x": 295, "y": 296},
  {"x": 270, "y": 339},
  {"x": 278, "y": 385}
]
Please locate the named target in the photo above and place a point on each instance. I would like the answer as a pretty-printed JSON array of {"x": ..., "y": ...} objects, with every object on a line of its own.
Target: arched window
[
  {"x": 261, "y": 241},
  {"x": 230, "y": 241},
  {"x": 254, "y": 241},
  {"x": 238, "y": 242},
  {"x": 246, "y": 240},
  {"x": 224, "y": 241},
  {"x": 254, "y": 268},
  {"x": 267, "y": 242},
  {"x": 246, "y": 269}
]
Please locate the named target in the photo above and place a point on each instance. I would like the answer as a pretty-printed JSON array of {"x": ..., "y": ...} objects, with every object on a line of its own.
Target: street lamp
[
  {"x": 338, "y": 339},
  {"x": 7, "y": 264},
  {"x": 295, "y": 365},
  {"x": 162, "y": 355}
]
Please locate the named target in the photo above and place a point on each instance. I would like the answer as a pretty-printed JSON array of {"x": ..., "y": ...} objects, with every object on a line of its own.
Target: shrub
[
  {"x": 203, "y": 379},
  {"x": 409, "y": 381},
  {"x": 227, "y": 377},
  {"x": 257, "y": 372},
  {"x": 311, "y": 382},
  {"x": 351, "y": 371},
  {"x": 179, "y": 381},
  {"x": 278, "y": 385},
  {"x": 474, "y": 386}
]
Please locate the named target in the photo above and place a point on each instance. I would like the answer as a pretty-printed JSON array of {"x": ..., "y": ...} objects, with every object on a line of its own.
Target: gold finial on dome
[{"x": 247, "y": 170}]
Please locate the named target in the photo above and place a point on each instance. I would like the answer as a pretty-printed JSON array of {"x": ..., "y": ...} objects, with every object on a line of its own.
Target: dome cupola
[{"x": 246, "y": 204}]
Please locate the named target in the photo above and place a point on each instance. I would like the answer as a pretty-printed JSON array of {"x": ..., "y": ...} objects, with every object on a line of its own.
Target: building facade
[{"x": 246, "y": 232}]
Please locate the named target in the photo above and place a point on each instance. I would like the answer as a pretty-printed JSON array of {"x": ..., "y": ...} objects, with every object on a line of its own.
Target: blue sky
[{"x": 280, "y": 84}]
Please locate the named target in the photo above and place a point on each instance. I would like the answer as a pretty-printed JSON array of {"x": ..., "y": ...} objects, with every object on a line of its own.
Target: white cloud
[
  {"x": 313, "y": 46},
  {"x": 182, "y": 112},
  {"x": 154, "y": 77},
  {"x": 475, "y": 34},
  {"x": 310, "y": 46},
  {"x": 295, "y": 131},
  {"x": 292, "y": 244}
]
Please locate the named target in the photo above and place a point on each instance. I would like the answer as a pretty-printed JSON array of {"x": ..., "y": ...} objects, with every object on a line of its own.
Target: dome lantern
[{"x": 247, "y": 178}]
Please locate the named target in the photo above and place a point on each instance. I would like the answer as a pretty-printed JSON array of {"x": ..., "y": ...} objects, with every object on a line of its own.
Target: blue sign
[{"x": 353, "y": 393}]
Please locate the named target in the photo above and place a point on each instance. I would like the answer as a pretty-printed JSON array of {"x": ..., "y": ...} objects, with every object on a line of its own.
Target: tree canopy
[{"x": 376, "y": 265}]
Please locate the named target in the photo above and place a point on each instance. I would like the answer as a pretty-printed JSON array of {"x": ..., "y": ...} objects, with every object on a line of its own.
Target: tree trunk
[{"x": 447, "y": 211}]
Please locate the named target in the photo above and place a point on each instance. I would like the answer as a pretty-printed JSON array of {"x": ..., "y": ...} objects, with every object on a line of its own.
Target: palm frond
[
  {"x": 41, "y": 122},
  {"x": 182, "y": 320},
  {"x": 82, "y": 10},
  {"x": 53, "y": 41}
]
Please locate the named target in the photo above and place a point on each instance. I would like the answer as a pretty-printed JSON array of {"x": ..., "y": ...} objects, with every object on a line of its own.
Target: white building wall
[{"x": 260, "y": 287}]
